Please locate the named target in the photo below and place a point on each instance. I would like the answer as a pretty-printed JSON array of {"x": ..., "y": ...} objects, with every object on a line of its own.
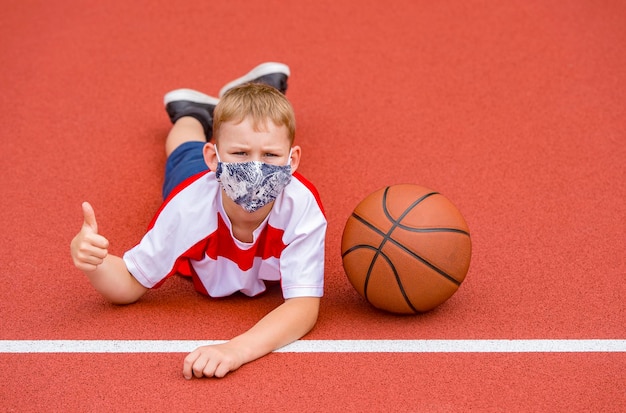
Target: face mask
[{"x": 252, "y": 185}]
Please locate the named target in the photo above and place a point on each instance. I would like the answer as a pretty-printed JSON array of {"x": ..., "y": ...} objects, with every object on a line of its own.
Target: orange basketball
[{"x": 406, "y": 249}]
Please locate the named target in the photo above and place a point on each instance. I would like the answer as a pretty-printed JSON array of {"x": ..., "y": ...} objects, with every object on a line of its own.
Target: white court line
[{"x": 322, "y": 346}]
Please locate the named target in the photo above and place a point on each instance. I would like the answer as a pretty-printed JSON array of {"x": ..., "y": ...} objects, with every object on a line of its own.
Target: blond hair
[{"x": 260, "y": 103}]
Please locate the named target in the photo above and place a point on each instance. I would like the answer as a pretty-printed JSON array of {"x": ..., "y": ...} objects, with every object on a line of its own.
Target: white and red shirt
[{"x": 191, "y": 235}]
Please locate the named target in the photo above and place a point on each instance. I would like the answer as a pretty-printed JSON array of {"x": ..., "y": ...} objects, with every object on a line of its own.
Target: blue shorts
[{"x": 186, "y": 161}]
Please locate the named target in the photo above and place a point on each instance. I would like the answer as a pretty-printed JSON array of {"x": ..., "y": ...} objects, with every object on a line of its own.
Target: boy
[{"x": 247, "y": 219}]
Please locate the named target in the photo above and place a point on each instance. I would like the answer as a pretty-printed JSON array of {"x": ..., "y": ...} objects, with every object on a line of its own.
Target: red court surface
[{"x": 514, "y": 110}]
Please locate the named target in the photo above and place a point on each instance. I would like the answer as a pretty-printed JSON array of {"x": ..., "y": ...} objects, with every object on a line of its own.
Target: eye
[{"x": 270, "y": 155}]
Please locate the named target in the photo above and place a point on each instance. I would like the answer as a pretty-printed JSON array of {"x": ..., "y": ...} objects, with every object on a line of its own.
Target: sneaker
[
  {"x": 270, "y": 73},
  {"x": 188, "y": 102}
]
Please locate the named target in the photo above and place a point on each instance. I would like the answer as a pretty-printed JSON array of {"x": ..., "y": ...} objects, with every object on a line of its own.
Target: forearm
[
  {"x": 285, "y": 324},
  {"x": 114, "y": 282}
]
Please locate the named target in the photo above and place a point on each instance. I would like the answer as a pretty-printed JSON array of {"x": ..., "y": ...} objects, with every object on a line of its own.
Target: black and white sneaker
[
  {"x": 270, "y": 73},
  {"x": 188, "y": 102}
]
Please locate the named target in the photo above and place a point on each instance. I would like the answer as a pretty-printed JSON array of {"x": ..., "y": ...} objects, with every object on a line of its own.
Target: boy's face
[{"x": 239, "y": 142}]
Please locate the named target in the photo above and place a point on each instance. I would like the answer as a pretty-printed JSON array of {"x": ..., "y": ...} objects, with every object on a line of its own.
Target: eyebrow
[{"x": 263, "y": 148}]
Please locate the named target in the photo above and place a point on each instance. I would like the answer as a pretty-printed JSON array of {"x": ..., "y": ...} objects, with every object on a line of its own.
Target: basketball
[{"x": 406, "y": 249}]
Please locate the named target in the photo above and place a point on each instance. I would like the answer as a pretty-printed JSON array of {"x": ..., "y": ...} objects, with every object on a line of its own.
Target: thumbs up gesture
[{"x": 88, "y": 248}]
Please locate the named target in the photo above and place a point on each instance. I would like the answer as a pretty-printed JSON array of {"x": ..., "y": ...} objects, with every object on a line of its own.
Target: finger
[
  {"x": 210, "y": 367},
  {"x": 222, "y": 369},
  {"x": 89, "y": 216},
  {"x": 87, "y": 264},
  {"x": 94, "y": 242},
  {"x": 188, "y": 364},
  {"x": 90, "y": 245},
  {"x": 93, "y": 258}
]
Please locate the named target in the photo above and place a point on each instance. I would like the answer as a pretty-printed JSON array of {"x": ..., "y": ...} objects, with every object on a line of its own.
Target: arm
[
  {"x": 114, "y": 282},
  {"x": 285, "y": 324},
  {"x": 107, "y": 273}
]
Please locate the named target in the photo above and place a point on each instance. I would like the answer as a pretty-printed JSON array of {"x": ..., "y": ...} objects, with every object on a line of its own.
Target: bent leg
[
  {"x": 184, "y": 149},
  {"x": 186, "y": 129},
  {"x": 181, "y": 103}
]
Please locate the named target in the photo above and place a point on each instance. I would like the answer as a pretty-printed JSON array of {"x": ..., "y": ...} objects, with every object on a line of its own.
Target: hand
[
  {"x": 89, "y": 249},
  {"x": 212, "y": 361}
]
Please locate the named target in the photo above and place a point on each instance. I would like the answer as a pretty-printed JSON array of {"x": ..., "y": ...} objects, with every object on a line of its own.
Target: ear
[
  {"x": 296, "y": 153},
  {"x": 210, "y": 158}
]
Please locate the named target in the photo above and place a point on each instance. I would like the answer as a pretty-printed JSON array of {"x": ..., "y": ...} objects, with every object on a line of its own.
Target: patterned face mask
[{"x": 252, "y": 185}]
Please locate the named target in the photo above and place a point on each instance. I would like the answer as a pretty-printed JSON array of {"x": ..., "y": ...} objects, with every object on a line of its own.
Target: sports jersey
[{"x": 192, "y": 235}]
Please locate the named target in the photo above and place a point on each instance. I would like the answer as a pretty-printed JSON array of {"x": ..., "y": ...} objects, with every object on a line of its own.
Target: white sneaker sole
[
  {"x": 261, "y": 70},
  {"x": 189, "y": 95}
]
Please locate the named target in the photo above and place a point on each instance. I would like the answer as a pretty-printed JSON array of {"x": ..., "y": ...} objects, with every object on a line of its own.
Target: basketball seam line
[
  {"x": 396, "y": 243},
  {"x": 396, "y": 223},
  {"x": 386, "y": 237},
  {"x": 395, "y": 274},
  {"x": 457, "y": 231}
]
